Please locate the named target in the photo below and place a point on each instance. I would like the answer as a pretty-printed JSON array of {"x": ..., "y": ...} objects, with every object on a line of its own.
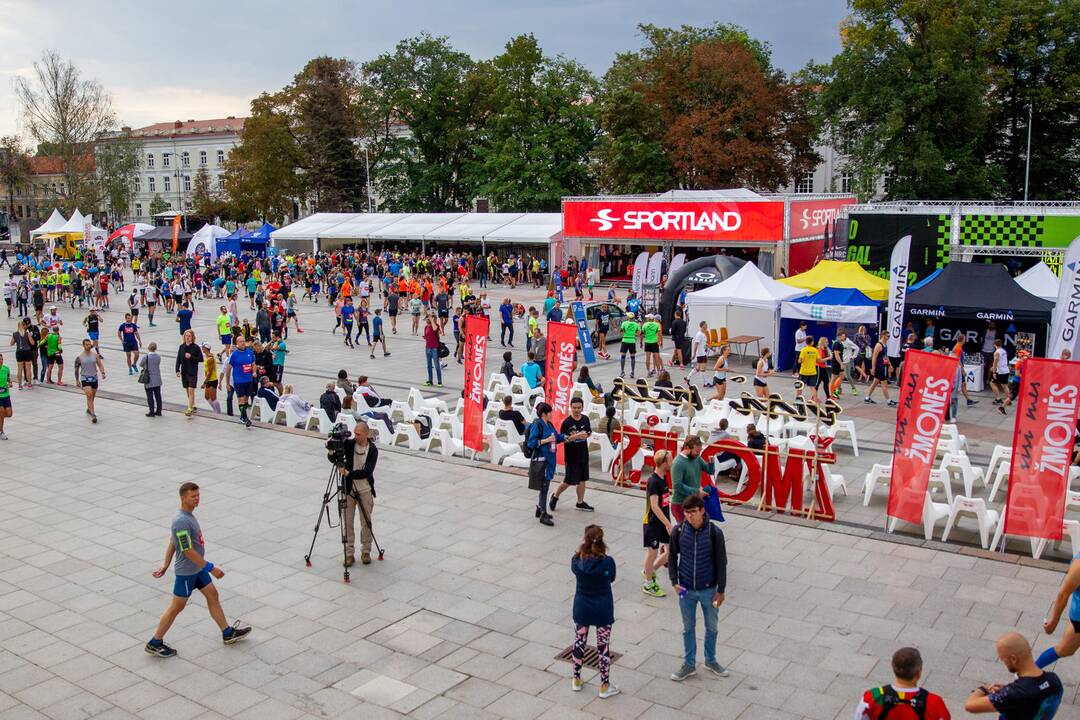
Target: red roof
[
  {"x": 191, "y": 127},
  {"x": 53, "y": 165}
]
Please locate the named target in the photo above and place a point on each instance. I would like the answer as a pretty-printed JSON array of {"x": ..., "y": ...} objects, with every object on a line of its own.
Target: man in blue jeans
[
  {"x": 431, "y": 349},
  {"x": 697, "y": 564}
]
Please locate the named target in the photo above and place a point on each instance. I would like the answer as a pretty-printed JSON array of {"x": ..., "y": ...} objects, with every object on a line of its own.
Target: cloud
[{"x": 137, "y": 106}]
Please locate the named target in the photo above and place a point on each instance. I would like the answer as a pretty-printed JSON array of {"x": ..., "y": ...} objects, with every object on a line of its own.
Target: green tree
[
  {"x": 117, "y": 164},
  {"x": 262, "y": 173},
  {"x": 206, "y": 203},
  {"x": 158, "y": 204},
  {"x": 540, "y": 129},
  {"x": 14, "y": 169}
]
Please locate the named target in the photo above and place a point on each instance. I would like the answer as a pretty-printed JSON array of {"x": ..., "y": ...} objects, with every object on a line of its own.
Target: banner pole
[{"x": 622, "y": 422}]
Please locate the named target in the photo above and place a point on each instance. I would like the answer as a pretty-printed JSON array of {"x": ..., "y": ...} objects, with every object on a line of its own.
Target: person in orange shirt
[{"x": 346, "y": 289}]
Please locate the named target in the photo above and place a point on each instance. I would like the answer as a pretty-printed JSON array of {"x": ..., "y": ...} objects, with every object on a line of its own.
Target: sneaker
[
  {"x": 190, "y": 411},
  {"x": 365, "y": 558},
  {"x": 93, "y": 418},
  {"x": 234, "y": 633},
  {"x": 997, "y": 401},
  {"x": 584, "y": 507},
  {"x": 972, "y": 402},
  {"x": 3, "y": 436},
  {"x": 869, "y": 401},
  {"x": 372, "y": 356},
  {"x": 247, "y": 422},
  {"x": 427, "y": 384},
  {"x": 552, "y": 503},
  {"x": 891, "y": 403},
  {"x": 608, "y": 690},
  {"x": 161, "y": 650},
  {"x": 716, "y": 668},
  {"x": 1001, "y": 409},
  {"x": 684, "y": 672},
  {"x": 653, "y": 589},
  {"x": 439, "y": 385},
  {"x": 576, "y": 684},
  {"x": 386, "y": 354}
]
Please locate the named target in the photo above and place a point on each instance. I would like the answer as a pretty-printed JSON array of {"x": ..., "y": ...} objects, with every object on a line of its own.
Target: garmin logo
[
  {"x": 607, "y": 219},
  {"x": 1004, "y": 315},
  {"x": 928, "y": 312}
]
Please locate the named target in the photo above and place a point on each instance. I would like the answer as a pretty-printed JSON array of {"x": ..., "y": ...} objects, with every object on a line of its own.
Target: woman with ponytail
[{"x": 594, "y": 605}]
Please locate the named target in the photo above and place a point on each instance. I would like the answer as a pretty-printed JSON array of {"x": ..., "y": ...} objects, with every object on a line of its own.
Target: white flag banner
[
  {"x": 656, "y": 264},
  {"x": 898, "y": 281},
  {"x": 676, "y": 262},
  {"x": 1063, "y": 325},
  {"x": 640, "y": 266}
]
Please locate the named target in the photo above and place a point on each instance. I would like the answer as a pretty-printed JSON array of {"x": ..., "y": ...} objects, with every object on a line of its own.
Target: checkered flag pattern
[{"x": 992, "y": 230}]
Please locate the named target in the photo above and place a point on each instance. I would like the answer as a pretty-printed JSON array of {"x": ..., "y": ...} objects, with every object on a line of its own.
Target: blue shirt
[
  {"x": 347, "y": 312},
  {"x": 242, "y": 363},
  {"x": 507, "y": 312},
  {"x": 279, "y": 353},
  {"x": 531, "y": 372},
  {"x": 184, "y": 316},
  {"x": 376, "y": 326}
]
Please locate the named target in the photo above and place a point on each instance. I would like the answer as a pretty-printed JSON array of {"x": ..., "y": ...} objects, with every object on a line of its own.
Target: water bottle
[{"x": 682, "y": 592}]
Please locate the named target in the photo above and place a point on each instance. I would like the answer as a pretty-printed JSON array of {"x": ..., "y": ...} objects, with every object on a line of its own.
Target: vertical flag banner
[
  {"x": 898, "y": 280},
  {"x": 557, "y": 277},
  {"x": 924, "y": 398},
  {"x": 559, "y": 382},
  {"x": 175, "y": 231},
  {"x": 637, "y": 279},
  {"x": 1042, "y": 446},
  {"x": 583, "y": 333},
  {"x": 476, "y": 332},
  {"x": 1066, "y": 317},
  {"x": 654, "y": 268}
]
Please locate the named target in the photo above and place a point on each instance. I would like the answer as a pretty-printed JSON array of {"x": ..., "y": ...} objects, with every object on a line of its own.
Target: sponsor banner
[
  {"x": 676, "y": 262},
  {"x": 476, "y": 333},
  {"x": 1042, "y": 447},
  {"x": 1064, "y": 322},
  {"x": 584, "y": 337},
  {"x": 898, "y": 282},
  {"x": 686, "y": 221},
  {"x": 557, "y": 277},
  {"x": 637, "y": 279},
  {"x": 924, "y": 398},
  {"x": 804, "y": 255},
  {"x": 654, "y": 268},
  {"x": 811, "y": 218},
  {"x": 175, "y": 231},
  {"x": 560, "y": 372}
]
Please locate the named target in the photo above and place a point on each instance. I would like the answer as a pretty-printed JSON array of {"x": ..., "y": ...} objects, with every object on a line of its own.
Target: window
[
  {"x": 221, "y": 182},
  {"x": 220, "y": 157},
  {"x": 185, "y": 159},
  {"x": 53, "y": 186},
  {"x": 887, "y": 183},
  {"x": 187, "y": 183},
  {"x": 805, "y": 184},
  {"x": 138, "y": 209},
  {"x": 202, "y": 158},
  {"x": 150, "y": 184},
  {"x": 150, "y": 160},
  {"x": 63, "y": 189},
  {"x": 165, "y": 158},
  {"x": 165, "y": 183},
  {"x": 138, "y": 184},
  {"x": 845, "y": 182}
]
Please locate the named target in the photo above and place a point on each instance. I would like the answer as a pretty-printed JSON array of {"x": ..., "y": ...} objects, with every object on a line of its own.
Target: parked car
[{"x": 616, "y": 313}]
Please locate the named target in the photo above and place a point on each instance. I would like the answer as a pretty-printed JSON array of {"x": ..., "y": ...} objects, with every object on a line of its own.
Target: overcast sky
[{"x": 205, "y": 59}]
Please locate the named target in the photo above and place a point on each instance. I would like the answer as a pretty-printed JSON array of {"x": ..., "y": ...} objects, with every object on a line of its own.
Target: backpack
[
  {"x": 890, "y": 699},
  {"x": 526, "y": 449}
]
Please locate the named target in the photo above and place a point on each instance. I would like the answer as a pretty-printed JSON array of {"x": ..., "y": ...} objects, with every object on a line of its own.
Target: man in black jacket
[
  {"x": 697, "y": 564},
  {"x": 330, "y": 402},
  {"x": 361, "y": 457}
]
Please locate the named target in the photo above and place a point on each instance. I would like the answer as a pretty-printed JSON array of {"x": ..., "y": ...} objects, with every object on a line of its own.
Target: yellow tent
[{"x": 836, "y": 274}]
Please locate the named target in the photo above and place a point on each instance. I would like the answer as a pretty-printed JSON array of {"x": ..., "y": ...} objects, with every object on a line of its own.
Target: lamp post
[
  {"x": 367, "y": 173},
  {"x": 1027, "y": 161}
]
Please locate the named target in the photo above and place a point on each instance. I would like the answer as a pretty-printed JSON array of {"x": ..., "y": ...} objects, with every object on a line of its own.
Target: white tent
[
  {"x": 206, "y": 237},
  {"x": 1040, "y": 281},
  {"x": 53, "y": 224},
  {"x": 301, "y": 236},
  {"x": 747, "y": 303},
  {"x": 76, "y": 223}
]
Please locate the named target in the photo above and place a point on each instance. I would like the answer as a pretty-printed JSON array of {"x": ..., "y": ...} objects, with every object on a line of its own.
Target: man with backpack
[{"x": 904, "y": 699}]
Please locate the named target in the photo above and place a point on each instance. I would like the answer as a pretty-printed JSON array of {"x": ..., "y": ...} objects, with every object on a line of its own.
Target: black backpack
[
  {"x": 526, "y": 449},
  {"x": 890, "y": 699}
]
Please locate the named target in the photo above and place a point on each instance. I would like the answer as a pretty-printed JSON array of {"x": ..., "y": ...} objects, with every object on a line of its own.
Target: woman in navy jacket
[
  {"x": 593, "y": 605},
  {"x": 542, "y": 439}
]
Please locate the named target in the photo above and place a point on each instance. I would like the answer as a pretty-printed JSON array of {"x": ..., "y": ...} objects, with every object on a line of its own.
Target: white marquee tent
[
  {"x": 206, "y": 237},
  {"x": 76, "y": 223},
  {"x": 1040, "y": 281},
  {"x": 747, "y": 303},
  {"x": 52, "y": 225}
]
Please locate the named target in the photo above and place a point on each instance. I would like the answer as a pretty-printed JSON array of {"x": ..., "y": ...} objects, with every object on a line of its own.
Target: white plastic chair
[
  {"x": 418, "y": 402},
  {"x": 608, "y": 451},
  {"x": 407, "y": 432},
  {"x": 446, "y": 444},
  {"x": 879, "y": 475},
  {"x": 932, "y": 512},
  {"x": 958, "y": 464},
  {"x": 349, "y": 420},
  {"x": 507, "y": 431},
  {"x": 498, "y": 450},
  {"x": 969, "y": 506},
  {"x": 844, "y": 427},
  {"x": 1001, "y": 476},
  {"x": 261, "y": 412},
  {"x": 1001, "y": 454},
  {"x": 1069, "y": 529},
  {"x": 319, "y": 420}
]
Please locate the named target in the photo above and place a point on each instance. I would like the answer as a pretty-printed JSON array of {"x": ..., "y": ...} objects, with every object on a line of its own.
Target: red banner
[
  {"x": 175, "y": 231},
  {"x": 745, "y": 221},
  {"x": 1042, "y": 447},
  {"x": 809, "y": 218},
  {"x": 924, "y": 399},
  {"x": 559, "y": 380},
  {"x": 476, "y": 331}
]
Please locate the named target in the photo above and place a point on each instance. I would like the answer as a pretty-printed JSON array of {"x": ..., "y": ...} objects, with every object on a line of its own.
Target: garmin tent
[
  {"x": 1040, "y": 281},
  {"x": 747, "y": 303},
  {"x": 823, "y": 312},
  {"x": 838, "y": 274}
]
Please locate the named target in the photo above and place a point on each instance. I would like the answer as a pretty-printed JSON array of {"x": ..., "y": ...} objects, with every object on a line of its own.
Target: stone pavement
[{"x": 466, "y": 614}]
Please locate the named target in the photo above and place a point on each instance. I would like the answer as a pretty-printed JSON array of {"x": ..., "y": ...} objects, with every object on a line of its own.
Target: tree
[
  {"x": 14, "y": 168},
  {"x": 158, "y": 204},
  {"x": 262, "y": 173},
  {"x": 540, "y": 129},
  {"x": 205, "y": 203},
  {"x": 117, "y": 164},
  {"x": 68, "y": 114}
]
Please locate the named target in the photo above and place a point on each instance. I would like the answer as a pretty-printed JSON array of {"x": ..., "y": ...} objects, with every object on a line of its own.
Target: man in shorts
[
  {"x": 392, "y": 300},
  {"x": 808, "y": 364},
  {"x": 241, "y": 377},
  {"x": 193, "y": 572},
  {"x": 656, "y": 523},
  {"x": 54, "y": 351},
  {"x": 224, "y": 328},
  {"x": 378, "y": 333},
  {"x": 128, "y": 333},
  {"x": 699, "y": 350},
  {"x": 652, "y": 338},
  {"x": 5, "y": 395},
  {"x": 577, "y": 430},
  {"x": 631, "y": 331}
]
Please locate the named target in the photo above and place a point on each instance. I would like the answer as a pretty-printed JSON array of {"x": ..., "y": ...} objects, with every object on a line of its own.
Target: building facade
[
  {"x": 32, "y": 203},
  {"x": 832, "y": 175}
]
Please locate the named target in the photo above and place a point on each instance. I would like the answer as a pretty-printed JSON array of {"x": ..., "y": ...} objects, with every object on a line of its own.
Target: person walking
[
  {"x": 278, "y": 349},
  {"x": 188, "y": 358},
  {"x": 880, "y": 366},
  {"x": 904, "y": 694},
  {"x": 361, "y": 457},
  {"x": 378, "y": 334},
  {"x": 999, "y": 382},
  {"x": 762, "y": 371},
  {"x": 88, "y": 370},
  {"x": 431, "y": 350},
  {"x": 150, "y": 368},
  {"x": 193, "y": 572},
  {"x": 697, "y": 566},
  {"x": 576, "y": 429},
  {"x": 131, "y": 341},
  {"x": 240, "y": 377},
  {"x": 594, "y": 606},
  {"x": 1035, "y": 694},
  {"x": 210, "y": 378},
  {"x": 506, "y": 313},
  {"x": 686, "y": 474},
  {"x": 5, "y": 396},
  {"x": 656, "y": 523},
  {"x": 25, "y": 350},
  {"x": 541, "y": 439}
]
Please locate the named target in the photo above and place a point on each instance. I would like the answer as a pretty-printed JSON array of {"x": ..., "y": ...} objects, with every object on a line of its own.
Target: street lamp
[{"x": 367, "y": 175}]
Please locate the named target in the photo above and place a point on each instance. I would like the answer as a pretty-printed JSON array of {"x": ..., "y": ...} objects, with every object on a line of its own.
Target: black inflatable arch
[{"x": 697, "y": 274}]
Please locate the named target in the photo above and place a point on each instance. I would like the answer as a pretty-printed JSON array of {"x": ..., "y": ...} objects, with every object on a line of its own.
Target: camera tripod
[{"x": 335, "y": 489}]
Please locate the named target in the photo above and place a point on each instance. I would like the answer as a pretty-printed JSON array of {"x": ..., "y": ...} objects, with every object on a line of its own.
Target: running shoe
[
  {"x": 608, "y": 690},
  {"x": 576, "y": 684},
  {"x": 653, "y": 589},
  {"x": 869, "y": 401},
  {"x": 3, "y": 436},
  {"x": 584, "y": 507},
  {"x": 891, "y": 403},
  {"x": 972, "y": 402},
  {"x": 190, "y": 411},
  {"x": 235, "y": 633},
  {"x": 716, "y": 668},
  {"x": 683, "y": 672},
  {"x": 93, "y": 418},
  {"x": 552, "y": 503},
  {"x": 427, "y": 384},
  {"x": 160, "y": 650},
  {"x": 247, "y": 422}
]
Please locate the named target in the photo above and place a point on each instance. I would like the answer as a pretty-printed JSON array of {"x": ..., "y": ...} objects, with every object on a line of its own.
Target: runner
[
  {"x": 699, "y": 351},
  {"x": 880, "y": 366},
  {"x": 631, "y": 331},
  {"x": 652, "y": 338},
  {"x": 210, "y": 378},
  {"x": 193, "y": 572},
  {"x": 224, "y": 329},
  {"x": 54, "y": 350},
  {"x": 5, "y": 395},
  {"x": 25, "y": 351},
  {"x": 188, "y": 358},
  {"x": 242, "y": 378},
  {"x": 656, "y": 524},
  {"x": 88, "y": 365},
  {"x": 129, "y": 337},
  {"x": 378, "y": 333},
  {"x": 92, "y": 323}
]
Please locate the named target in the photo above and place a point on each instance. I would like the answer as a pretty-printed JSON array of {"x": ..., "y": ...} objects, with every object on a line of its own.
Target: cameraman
[{"x": 358, "y": 472}]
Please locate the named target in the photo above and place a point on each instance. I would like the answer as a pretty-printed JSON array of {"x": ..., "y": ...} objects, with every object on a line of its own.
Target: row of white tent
[
  {"x": 326, "y": 231},
  {"x": 57, "y": 224}
]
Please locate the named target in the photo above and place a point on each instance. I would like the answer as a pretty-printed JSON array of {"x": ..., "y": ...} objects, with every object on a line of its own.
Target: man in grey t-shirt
[{"x": 193, "y": 572}]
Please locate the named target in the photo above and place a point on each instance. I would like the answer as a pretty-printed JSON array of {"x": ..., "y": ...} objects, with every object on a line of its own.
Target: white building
[
  {"x": 172, "y": 155},
  {"x": 831, "y": 175}
]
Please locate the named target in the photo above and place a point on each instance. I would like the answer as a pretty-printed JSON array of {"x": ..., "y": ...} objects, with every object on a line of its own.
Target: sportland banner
[
  {"x": 760, "y": 221},
  {"x": 898, "y": 282},
  {"x": 640, "y": 267},
  {"x": 560, "y": 372},
  {"x": 924, "y": 398},
  {"x": 1064, "y": 322},
  {"x": 476, "y": 332},
  {"x": 1042, "y": 447}
]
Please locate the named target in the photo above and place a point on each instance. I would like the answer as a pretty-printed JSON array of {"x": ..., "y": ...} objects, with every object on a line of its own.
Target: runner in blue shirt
[
  {"x": 242, "y": 379},
  {"x": 347, "y": 312}
]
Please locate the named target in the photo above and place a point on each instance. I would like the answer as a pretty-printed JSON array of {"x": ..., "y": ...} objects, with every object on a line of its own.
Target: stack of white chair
[
  {"x": 932, "y": 513},
  {"x": 958, "y": 465}
]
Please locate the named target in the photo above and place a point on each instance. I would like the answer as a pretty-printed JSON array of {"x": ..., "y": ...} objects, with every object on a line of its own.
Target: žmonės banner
[
  {"x": 686, "y": 221},
  {"x": 476, "y": 332},
  {"x": 1042, "y": 447},
  {"x": 559, "y": 384},
  {"x": 924, "y": 396}
]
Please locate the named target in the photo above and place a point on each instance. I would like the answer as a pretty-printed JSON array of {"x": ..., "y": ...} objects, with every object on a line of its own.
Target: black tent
[{"x": 163, "y": 233}]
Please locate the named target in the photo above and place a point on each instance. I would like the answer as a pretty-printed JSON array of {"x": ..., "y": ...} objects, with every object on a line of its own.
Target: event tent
[
  {"x": 76, "y": 224},
  {"x": 130, "y": 232},
  {"x": 1040, "y": 281},
  {"x": 203, "y": 241},
  {"x": 52, "y": 225},
  {"x": 839, "y": 274},
  {"x": 227, "y": 244},
  {"x": 163, "y": 234},
  {"x": 824, "y": 312},
  {"x": 747, "y": 303}
]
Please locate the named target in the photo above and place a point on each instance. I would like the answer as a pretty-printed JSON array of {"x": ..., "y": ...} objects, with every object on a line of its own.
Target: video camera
[{"x": 335, "y": 444}]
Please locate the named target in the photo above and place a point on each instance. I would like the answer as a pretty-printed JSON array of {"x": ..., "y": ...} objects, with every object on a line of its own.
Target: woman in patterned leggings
[{"x": 593, "y": 605}]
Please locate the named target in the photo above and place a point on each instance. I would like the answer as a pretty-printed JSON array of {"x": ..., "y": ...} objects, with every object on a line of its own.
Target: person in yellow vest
[
  {"x": 135, "y": 264},
  {"x": 65, "y": 284}
]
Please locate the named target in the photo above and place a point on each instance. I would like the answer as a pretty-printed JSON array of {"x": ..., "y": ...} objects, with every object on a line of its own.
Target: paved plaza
[{"x": 466, "y": 615}]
